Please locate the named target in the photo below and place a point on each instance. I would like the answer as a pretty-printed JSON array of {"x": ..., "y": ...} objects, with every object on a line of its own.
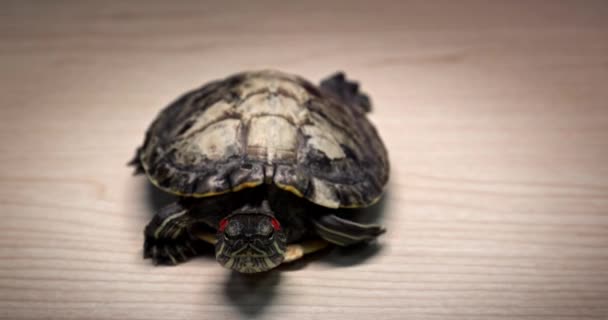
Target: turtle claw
[{"x": 171, "y": 253}]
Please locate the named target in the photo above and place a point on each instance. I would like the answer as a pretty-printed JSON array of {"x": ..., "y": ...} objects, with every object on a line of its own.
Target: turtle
[{"x": 266, "y": 167}]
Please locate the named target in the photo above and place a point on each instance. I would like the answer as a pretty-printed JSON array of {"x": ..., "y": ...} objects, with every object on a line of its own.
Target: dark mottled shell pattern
[{"x": 266, "y": 127}]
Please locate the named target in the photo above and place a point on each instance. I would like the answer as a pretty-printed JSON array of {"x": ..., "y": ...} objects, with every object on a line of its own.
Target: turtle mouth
[
  {"x": 249, "y": 259},
  {"x": 249, "y": 251}
]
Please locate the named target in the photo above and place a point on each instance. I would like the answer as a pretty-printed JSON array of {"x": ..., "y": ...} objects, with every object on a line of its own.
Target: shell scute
[{"x": 266, "y": 127}]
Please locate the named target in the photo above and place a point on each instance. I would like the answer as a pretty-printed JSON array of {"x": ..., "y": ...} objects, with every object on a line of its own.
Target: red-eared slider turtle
[{"x": 261, "y": 161}]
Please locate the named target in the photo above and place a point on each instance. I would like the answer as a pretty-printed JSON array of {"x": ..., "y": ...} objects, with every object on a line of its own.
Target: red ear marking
[
  {"x": 223, "y": 224},
  {"x": 275, "y": 224}
]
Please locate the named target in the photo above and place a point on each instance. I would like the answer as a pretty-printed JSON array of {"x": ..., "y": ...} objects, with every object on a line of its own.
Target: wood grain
[{"x": 495, "y": 116}]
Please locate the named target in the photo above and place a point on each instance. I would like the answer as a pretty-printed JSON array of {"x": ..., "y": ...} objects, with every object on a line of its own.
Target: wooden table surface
[{"x": 495, "y": 117}]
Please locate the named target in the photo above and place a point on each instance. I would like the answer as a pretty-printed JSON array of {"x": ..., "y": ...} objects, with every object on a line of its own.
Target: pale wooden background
[{"x": 495, "y": 116}]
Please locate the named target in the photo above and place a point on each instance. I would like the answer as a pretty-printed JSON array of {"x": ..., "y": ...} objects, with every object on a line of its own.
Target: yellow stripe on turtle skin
[
  {"x": 276, "y": 247},
  {"x": 177, "y": 231},
  {"x": 187, "y": 244},
  {"x": 229, "y": 263},
  {"x": 269, "y": 262},
  {"x": 220, "y": 250},
  {"x": 338, "y": 233},
  {"x": 364, "y": 226},
  {"x": 181, "y": 253},
  {"x": 167, "y": 220},
  {"x": 236, "y": 252},
  {"x": 170, "y": 256}
]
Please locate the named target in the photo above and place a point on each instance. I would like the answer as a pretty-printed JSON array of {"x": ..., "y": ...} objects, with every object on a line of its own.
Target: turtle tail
[
  {"x": 136, "y": 162},
  {"x": 346, "y": 92}
]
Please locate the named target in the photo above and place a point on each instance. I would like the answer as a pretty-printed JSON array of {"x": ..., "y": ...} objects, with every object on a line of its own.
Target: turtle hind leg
[
  {"x": 345, "y": 232},
  {"x": 167, "y": 237},
  {"x": 136, "y": 162},
  {"x": 346, "y": 92}
]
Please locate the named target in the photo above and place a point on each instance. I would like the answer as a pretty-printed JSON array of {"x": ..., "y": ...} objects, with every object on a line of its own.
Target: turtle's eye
[
  {"x": 231, "y": 233},
  {"x": 228, "y": 228},
  {"x": 265, "y": 229},
  {"x": 274, "y": 226}
]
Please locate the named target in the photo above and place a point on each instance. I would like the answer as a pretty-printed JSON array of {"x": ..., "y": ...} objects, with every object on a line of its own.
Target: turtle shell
[{"x": 266, "y": 127}]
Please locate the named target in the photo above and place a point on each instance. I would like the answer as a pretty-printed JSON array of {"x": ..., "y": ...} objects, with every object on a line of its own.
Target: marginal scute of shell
[{"x": 323, "y": 194}]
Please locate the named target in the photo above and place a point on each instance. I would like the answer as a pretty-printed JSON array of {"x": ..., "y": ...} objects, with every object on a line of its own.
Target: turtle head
[{"x": 250, "y": 242}]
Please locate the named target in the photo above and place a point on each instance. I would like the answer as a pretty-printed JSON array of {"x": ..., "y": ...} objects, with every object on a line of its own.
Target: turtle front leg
[
  {"x": 167, "y": 240},
  {"x": 344, "y": 232}
]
